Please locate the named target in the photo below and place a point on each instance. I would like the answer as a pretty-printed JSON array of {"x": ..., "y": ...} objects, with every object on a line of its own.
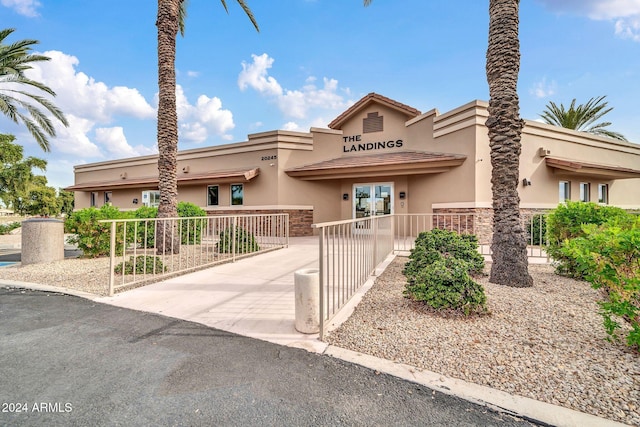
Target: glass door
[
  {"x": 371, "y": 200},
  {"x": 382, "y": 199}
]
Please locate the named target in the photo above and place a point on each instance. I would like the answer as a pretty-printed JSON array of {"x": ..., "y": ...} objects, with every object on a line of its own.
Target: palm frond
[
  {"x": 36, "y": 132},
  {"x": 582, "y": 117},
  {"x": 182, "y": 15},
  {"x": 247, "y": 11},
  {"x": 15, "y": 103}
]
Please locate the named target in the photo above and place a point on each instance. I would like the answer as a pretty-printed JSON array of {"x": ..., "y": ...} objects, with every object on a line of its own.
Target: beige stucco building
[{"x": 379, "y": 156}]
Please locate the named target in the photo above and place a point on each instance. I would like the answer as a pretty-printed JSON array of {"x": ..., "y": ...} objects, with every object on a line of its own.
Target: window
[
  {"x": 603, "y": 193},
  {"x": 565, "y": 191},
  {"x": 585, "y": 190},
  {"x": 151, "y": 198},
  {"x": 237, "y": 194},
  {"x": 94, "y": 198},
  {"x": 212, "y": 195},
  {"x": 107, "y": 197}
]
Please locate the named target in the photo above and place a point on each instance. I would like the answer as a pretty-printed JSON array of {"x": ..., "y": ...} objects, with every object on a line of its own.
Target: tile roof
[
  {"x": 591, "y": 169},
  {"x": 368, "y": 99},
  {"x": 243, "y": 174},
  {"x": 402, "y": 163}
]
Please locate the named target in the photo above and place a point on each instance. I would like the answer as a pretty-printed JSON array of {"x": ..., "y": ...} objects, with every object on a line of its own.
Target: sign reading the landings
[{"x": 358, "y": 145}]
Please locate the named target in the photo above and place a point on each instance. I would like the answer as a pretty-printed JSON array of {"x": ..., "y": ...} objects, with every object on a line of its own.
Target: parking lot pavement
[{"x": 71, "y": 361}]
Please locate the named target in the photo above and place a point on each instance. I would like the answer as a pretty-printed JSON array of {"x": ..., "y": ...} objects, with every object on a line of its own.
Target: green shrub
[
  {"x": 245, "y": 242},
  {"x": 91, "y": 236},
  {"x": 536, "y": 229},
  {"x": 437, "y": 244},
  {"x": 608, "y": 256},
  {"x": 144, "y": 264},
  {"x": 446, "y": 284},
  {"x": 565, "y": 223},
  {"x": 145, "y": 230},
  {"x": 191, "y": 229},
  {"x": 6, "y": 228}
]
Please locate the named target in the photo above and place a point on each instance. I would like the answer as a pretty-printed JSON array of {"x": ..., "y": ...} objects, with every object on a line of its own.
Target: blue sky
[{"x": 310, "y": 61}]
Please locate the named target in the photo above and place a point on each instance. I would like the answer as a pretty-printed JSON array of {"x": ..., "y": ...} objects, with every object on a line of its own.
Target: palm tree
[
  {"x": 14, "y": 102},
  {"x": 581, "y": 117},
  {"x": 171, "y": 18},
  {"x": 509, "y": 247}
]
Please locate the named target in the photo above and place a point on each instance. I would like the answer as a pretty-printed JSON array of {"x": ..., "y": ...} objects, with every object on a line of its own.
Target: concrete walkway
[{"x": 252, "y": 297}]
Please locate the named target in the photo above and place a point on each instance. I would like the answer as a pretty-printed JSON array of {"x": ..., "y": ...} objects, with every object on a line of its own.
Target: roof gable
[{"x": 373, "y": 98}]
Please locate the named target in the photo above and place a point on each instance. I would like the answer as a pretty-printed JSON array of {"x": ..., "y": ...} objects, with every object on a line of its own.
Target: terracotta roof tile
[
  {"x": 366, "y": 100},
  {"x": 386, "y": 159}
]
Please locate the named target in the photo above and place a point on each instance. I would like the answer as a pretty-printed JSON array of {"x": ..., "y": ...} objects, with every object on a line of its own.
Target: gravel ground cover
[{"x": 545, "y": 342}]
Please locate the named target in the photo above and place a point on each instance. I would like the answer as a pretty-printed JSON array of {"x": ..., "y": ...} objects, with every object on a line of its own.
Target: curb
[
  {"x": 47, "y": 288},
  {"x": 522, "y": 407}
]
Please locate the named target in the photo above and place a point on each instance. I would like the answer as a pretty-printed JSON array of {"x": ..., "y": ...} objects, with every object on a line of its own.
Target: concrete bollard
[
  {"x": 307, "y": 296},
  {"x": 42, "y": 240}
]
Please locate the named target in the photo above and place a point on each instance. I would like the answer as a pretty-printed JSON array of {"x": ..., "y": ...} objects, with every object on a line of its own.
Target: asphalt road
[{"x": 71, "y": 362}]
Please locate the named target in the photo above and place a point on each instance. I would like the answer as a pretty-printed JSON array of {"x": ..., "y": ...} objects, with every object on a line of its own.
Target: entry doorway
[{"x": 372, "y": 199}]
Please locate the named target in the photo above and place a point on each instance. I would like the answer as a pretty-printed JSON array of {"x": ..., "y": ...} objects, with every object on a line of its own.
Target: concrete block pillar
[
  {"x": 307, "y": 289},
  {"x": 42, "y": 240}
]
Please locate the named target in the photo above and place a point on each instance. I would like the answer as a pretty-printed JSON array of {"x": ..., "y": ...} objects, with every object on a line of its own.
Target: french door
[{"x": 372, "y": 199}]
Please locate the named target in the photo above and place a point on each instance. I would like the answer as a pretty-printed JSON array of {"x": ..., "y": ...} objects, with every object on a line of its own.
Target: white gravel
[
  {"x": 545, "y": 342},
  {"x": 83, "y": 274}
]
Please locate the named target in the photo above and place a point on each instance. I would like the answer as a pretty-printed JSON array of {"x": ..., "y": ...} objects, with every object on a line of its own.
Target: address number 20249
[{"x": 273, "y": 157}]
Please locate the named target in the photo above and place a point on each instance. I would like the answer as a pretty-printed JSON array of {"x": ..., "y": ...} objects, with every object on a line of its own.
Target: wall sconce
[
  {"x": 135, "y": 201},
  {"x": 402, "y": 195},
  {"x": 345, "y": 196},
  {"x": 526, "y": 182}
]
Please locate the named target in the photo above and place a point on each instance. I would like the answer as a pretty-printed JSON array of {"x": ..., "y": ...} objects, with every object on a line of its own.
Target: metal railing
[
  {"x": 198, "y": 241},
  {"x": 408, "y": 226},
  {"x": 349, "y": 252}
]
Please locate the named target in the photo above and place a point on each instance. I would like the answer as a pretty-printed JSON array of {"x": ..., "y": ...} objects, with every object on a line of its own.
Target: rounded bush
[
  {"x": 446, "y": 284},
  {"x": 437, "y": 244}
]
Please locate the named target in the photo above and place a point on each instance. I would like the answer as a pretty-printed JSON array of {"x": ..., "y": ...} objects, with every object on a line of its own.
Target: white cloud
[
  {"x": 629, "y": 28},
  {"x": 23, "y": 7},
  {"x": 74, "y": 140},
  {"x": 206, "y": 117},
  {"x": 625, "y": 13},
  {"x": 595, "y": 9},
  {"x": 612, "y": 9},
  {"x": 254, "y": 75},
  {"x": 293, "y": 126},
  {"x": 193, "y": 74},
  {"x": 543, "y": 89},
  {"x": 83, "y": 96},
  {"x": 115, "y": 143},
  {"x": 294, "y": 103}
]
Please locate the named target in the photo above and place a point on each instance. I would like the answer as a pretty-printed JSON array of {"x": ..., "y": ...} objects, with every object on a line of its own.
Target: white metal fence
[
  {"x": 408, "y": 226},
  {"x": 350, "y": 250},
  {"x": 203, "y": 241}
]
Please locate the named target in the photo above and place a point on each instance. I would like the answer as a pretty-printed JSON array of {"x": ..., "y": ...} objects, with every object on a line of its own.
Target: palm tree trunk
[
  {"x": 167, "y": 238},
  {"x": 509, "y": 248}
]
